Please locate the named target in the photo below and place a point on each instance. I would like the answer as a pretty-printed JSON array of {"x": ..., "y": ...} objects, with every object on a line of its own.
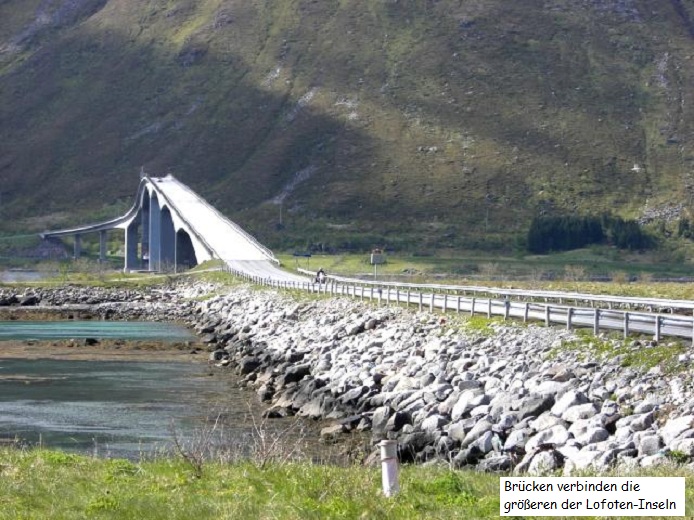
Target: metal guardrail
[
  {"x": 656, "y": 324},
  {"x": 558, "y": 296}
]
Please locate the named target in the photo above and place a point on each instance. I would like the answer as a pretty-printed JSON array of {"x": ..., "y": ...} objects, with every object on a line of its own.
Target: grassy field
[
  {"x": 38, "y": 484},
  {"x": 574, "y": 271}
]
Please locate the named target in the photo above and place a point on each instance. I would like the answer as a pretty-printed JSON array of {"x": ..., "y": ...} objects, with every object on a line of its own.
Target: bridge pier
[
  {"x": 131, "y": 260},
  {"x": 167, "y": 237},
  {"x": 154, "y": 233}
]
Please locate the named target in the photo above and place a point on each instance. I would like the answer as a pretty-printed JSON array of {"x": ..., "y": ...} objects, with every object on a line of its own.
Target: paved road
[{"x": 227, "y": 240}]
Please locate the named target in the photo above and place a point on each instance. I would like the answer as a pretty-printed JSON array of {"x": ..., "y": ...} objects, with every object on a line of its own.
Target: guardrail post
[
  {"x": 472, "y": 307},
  {"x": 626, "y": 325},
  {"x": 525, "y": 312},
  {"x": 397, "y": 297},
  {"x": 380, "y": 292},
  {"x": 569, "y": 318},
  {"x": 445, "y": 302},
  {"x": 596, "y": 322},
  {"x": 408, "y": 297},
  {"x": 431, "y": 303},
  {"x": 489, "y": 308},
  {"x": 658, "y": 326},
  {"x": 421, "y": 297},
  {"x": 547, "y": 320},
  {"x": 507, "y": 309}
]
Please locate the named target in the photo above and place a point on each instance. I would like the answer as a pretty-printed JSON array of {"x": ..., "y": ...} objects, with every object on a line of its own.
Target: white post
[{"x": 389, "y": 467}]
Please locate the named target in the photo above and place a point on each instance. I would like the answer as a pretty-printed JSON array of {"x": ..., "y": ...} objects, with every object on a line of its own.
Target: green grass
[
  {"x": 46, "y": 484},
  {"x": 640, "y": 357},
  {"x": 569, "y": 271},
  {"x": 39, "y": 484}
]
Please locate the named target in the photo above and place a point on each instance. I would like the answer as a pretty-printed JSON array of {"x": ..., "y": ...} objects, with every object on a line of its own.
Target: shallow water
[
  {"x": 113, "y": 408},
  {"x": 127, "y": 330}
]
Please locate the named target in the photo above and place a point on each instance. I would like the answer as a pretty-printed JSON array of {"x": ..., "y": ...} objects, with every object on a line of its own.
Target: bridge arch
[{"x": 169, "y": 224}]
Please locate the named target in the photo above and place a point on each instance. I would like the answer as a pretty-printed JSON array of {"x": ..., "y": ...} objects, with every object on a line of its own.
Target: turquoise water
[{"x": 127, "y": 330}]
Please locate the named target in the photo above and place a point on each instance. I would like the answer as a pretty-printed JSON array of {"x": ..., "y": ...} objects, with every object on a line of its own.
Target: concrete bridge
[{"x": 171, "y": 227}]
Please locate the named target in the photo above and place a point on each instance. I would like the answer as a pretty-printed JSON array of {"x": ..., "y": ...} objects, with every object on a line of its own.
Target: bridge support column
[
  {"x": 154, "y": 233},
  {"x": 77, "y": 246},
  {"x": 131, "y": 239},
  {"x": 102, "y": 246},
  {"x": 168, "y": 240},
  {"x": 144, "y": 244}
]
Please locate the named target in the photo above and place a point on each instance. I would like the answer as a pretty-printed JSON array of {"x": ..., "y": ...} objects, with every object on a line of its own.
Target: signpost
[
  {"x": 302, "y": 254},
  {"x": 377, "y": 258}
]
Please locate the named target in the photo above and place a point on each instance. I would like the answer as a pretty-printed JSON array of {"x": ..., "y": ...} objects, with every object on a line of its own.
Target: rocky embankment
[{"x": 502, "y": 397}]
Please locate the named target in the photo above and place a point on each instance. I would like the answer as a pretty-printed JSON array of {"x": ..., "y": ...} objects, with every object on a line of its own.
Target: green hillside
[{"x": 410, "y": 123}]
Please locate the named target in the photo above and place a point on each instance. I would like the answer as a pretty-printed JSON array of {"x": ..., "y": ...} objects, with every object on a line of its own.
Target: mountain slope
[{"x": 412, "y": 123}]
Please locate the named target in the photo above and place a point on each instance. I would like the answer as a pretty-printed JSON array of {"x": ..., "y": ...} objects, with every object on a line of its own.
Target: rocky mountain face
[{"x": 447, "y": 123}]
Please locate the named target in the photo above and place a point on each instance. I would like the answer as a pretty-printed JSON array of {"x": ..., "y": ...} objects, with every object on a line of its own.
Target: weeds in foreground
[{"x": 265, "y": 444}]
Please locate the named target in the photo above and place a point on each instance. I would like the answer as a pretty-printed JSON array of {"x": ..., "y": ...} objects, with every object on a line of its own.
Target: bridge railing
[
  {"x": 598, "y": 319},
  {"x": 560, "y": 297}
]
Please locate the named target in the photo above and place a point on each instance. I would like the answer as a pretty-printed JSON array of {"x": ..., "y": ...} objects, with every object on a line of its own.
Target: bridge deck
[{"x": 222, "y": 238}]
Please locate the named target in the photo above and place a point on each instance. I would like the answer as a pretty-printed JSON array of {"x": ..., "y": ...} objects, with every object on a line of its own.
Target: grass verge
[{"x": 51, "y": 484}]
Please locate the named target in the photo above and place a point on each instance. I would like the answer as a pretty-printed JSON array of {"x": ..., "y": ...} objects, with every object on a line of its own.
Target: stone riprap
[{"x": 508, "y": 398}]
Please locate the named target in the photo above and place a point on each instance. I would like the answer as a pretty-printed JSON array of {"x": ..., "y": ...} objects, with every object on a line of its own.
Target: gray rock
[
  {"x": 546, "y": 420},
  {"x": 566, "y": 401},
  {"x": 650, "y": 444},
  {"x": 379, "y": 419},
  {"x": 433, "y": 423},
  {"x": 545, "y": 462},
  {"x": 480, "y": 428},
  {"x": 675, "y": 427},
  {"x": 397, "y": 421},
  {"x": 517, "y": 439},
  {"x": 642, "y": 421},
  {"x": 685, "y": 446},
  {"x": 497, "y": 463},
  {"x": 485, "y": 442},
  {"x": 557, "y": 435},
  {"x": 580, "y": 411},
  {"x": 534, "y": 405},
  {"x": 593, "y": 435},
  {"x": 330, "y": 433}
]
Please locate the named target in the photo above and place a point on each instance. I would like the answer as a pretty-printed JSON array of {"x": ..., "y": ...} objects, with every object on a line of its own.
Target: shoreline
[{"x": 106, "y": 350}]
